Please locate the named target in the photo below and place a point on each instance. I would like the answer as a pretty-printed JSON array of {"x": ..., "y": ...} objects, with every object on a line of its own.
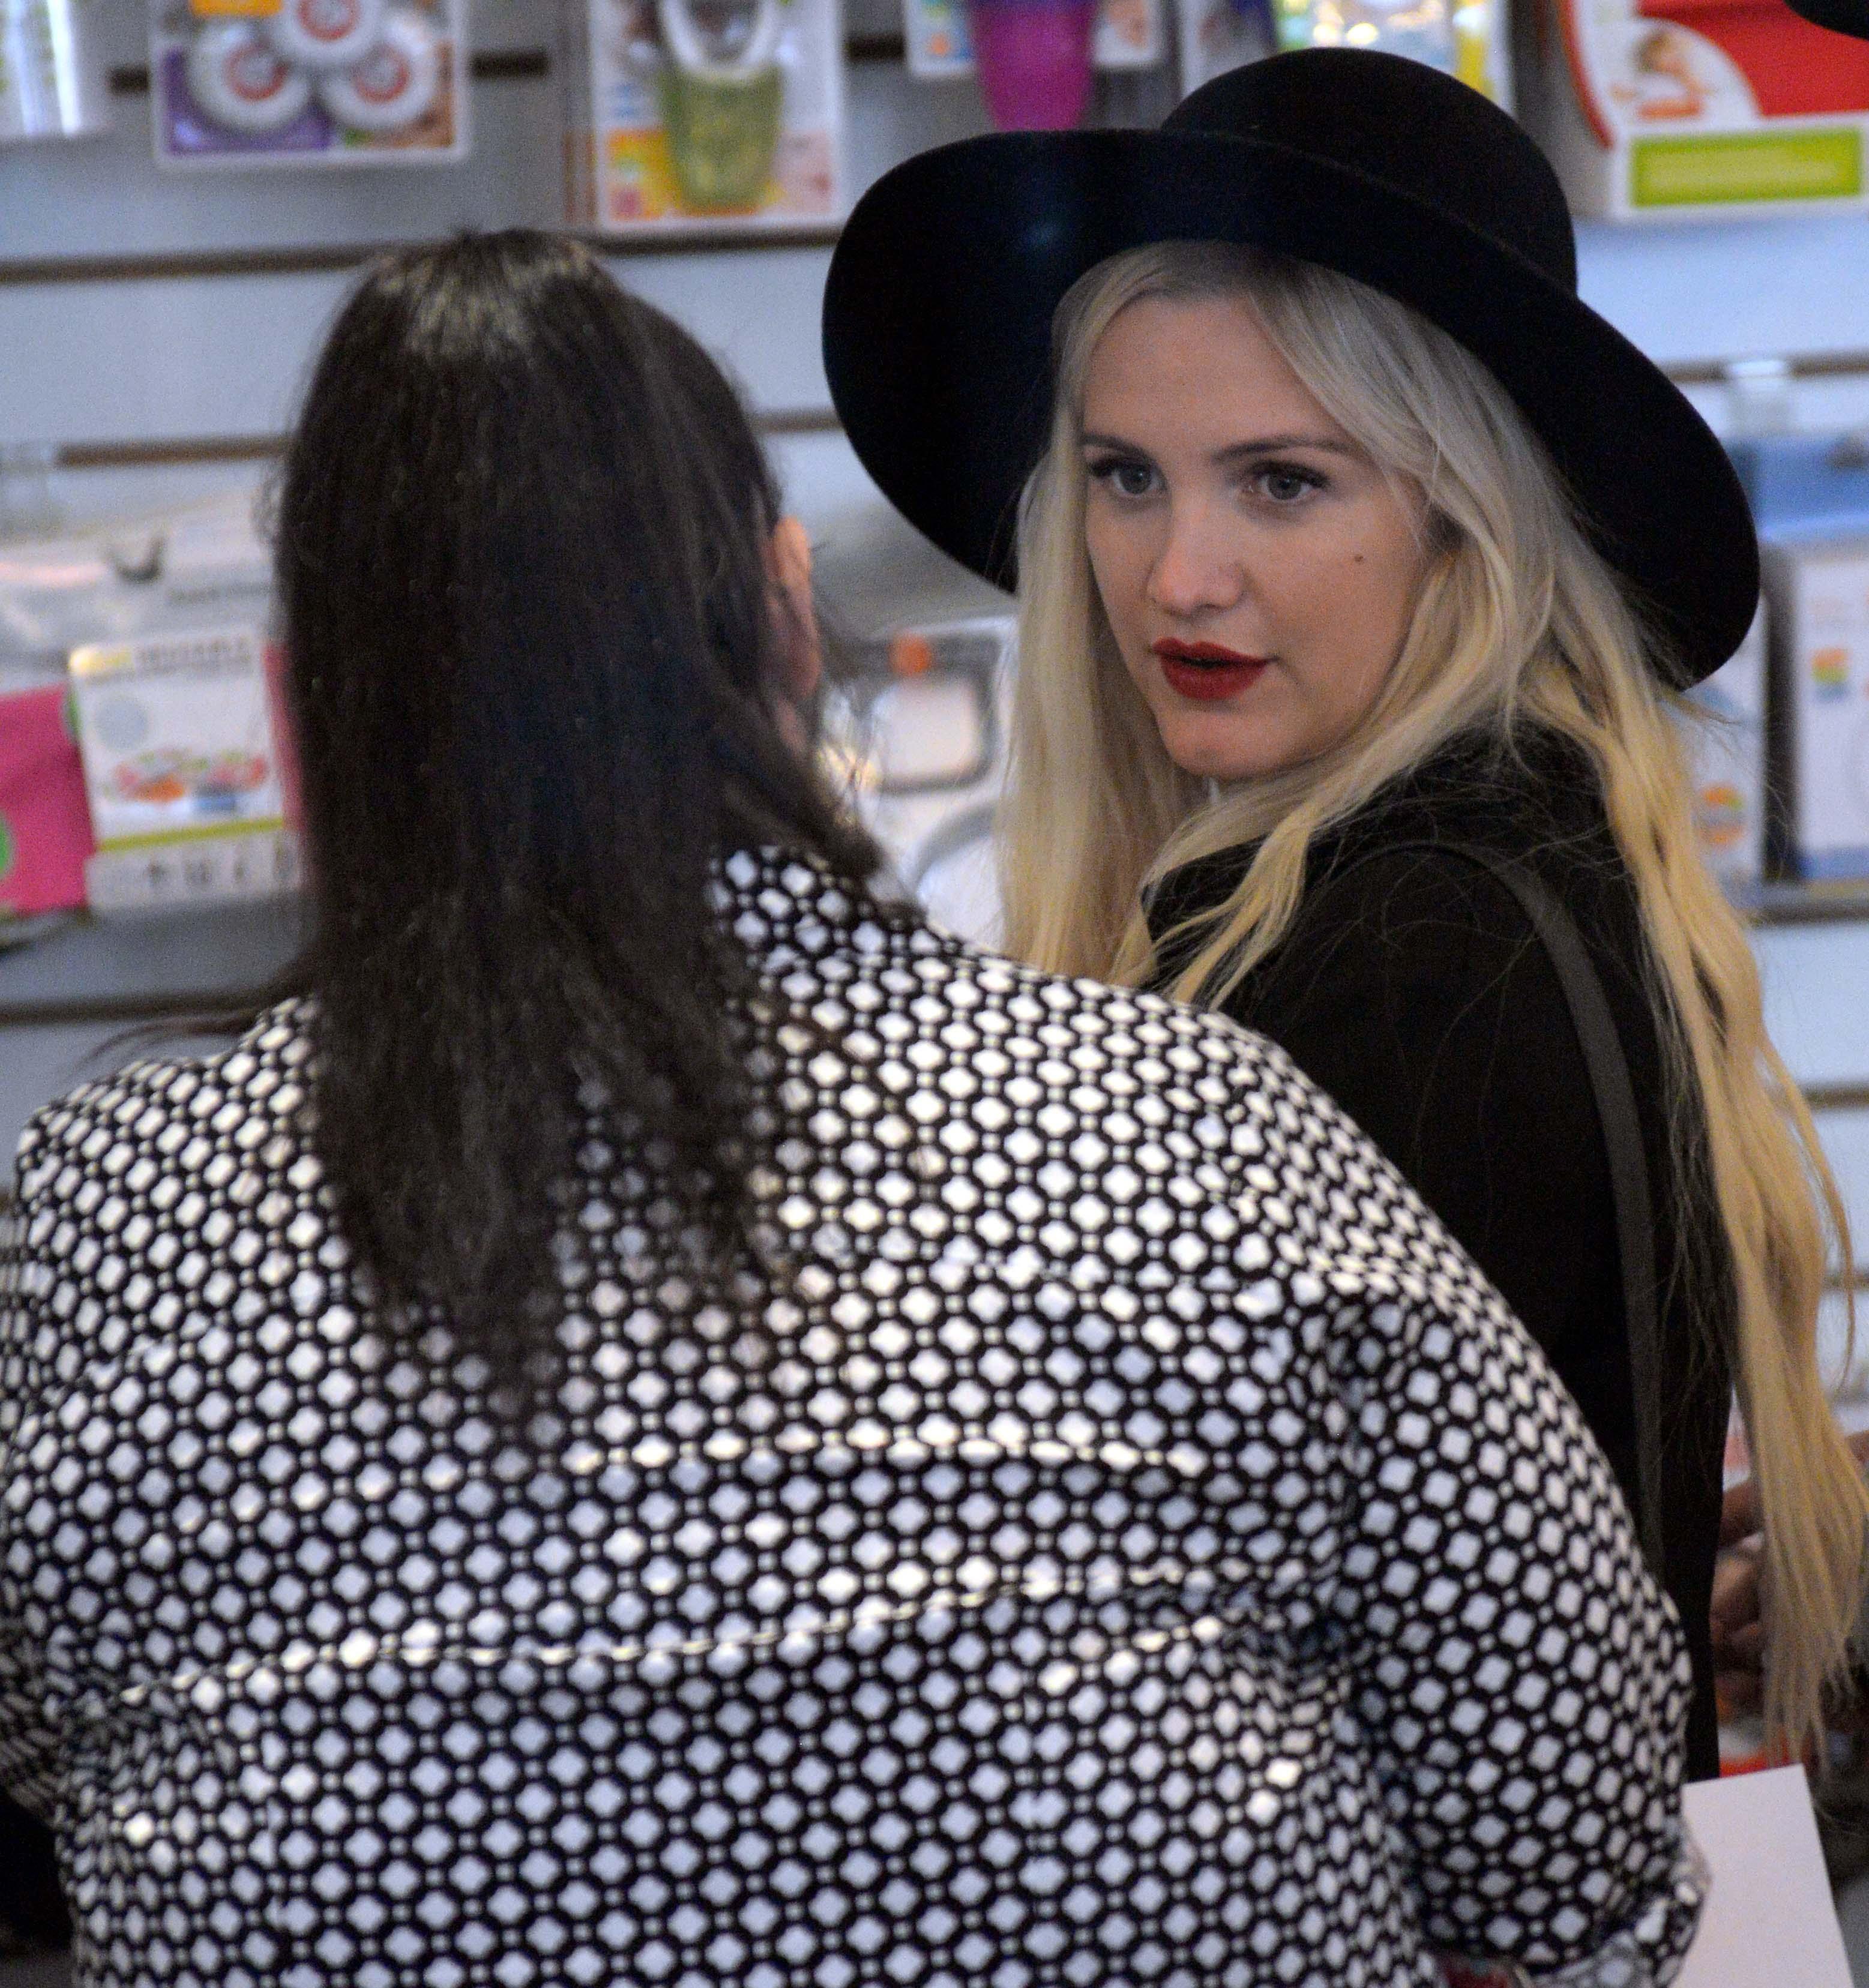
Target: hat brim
[{"x": 938, "y": 315}]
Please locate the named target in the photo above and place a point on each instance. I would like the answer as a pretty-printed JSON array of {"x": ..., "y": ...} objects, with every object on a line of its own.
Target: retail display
[
  {"x": 1726, "y": 759},
  {"x": 710, "y": 111},
  {"x": 44, "y": 825},
  {"x": 1654, "y": 109},
  {"x": 939, "y": 39},
  {"x": 1810, "y": 496},
  {"x": 123, "y": 598},
  {"x": 53, "y": 82},
  {"x": 1463, "y": 38},
  {"x": 182, "y": 770},
  {"x": 309, "y": 83},
  {"x": 1033, "y": 60},
  {"x": 1819, "y": 589}
]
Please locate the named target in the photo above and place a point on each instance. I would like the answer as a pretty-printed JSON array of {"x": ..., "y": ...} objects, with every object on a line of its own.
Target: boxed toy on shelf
[
  {"x": 44, "y": 825},
  {"x": 1468, "y": 39},
  {"x": 1810, "y": 495},
  {"x": 141, "y": 764},
  {"x": 1726, "y": 755},
  {"x": 183, "y": 770},
  {"x": 940, "y": 39},
  {"x": 309, "y": 83},
  {"x": 1656, "y": 109},
  {"x": 714, "y": 113}
]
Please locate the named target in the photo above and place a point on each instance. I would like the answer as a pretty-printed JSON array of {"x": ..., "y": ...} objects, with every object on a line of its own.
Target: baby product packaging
[
  {"x": 183, "y": 770},
  {"x": 704, "y": 112},
  {"x": 44, "y": 825},
  {"x": 1726, "y": 757},
  {"x": 1810, "y": 495},
  {"x": 1819, "y": 592},
  {"x": 940, "y": 42},
  {"x": 309, "y": 83},
  {"x": 1463, "y": 38},
  {"x": 1657, "y": 109}
]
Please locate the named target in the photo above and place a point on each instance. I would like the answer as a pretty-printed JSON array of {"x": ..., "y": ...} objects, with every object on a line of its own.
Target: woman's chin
[{"x": 1214, "y": 749}]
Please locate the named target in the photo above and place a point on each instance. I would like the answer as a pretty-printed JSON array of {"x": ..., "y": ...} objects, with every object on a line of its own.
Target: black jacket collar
[{"x": 1532, "y": 801}]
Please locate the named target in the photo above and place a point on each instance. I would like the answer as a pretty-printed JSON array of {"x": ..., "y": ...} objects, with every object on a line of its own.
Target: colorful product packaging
[
  {"x": 1727, "y": 760},
  {"x": 309, "y": 83},
  {"x": 183, "y": 770},
  {"x": 1652, "y": 109},
  {"x": 44, "y": 824},
  {"x": 704, "y": 112},
  {"x": 940, "y": 42},
  {"x": 1810, "y": 494},
  {"x": 1819, "y": 593},
  {"x": 1468, "y": 39}
]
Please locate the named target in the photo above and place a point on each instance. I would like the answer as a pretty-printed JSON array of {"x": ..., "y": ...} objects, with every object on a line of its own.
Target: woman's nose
[{"x": 1196, "y": 570}]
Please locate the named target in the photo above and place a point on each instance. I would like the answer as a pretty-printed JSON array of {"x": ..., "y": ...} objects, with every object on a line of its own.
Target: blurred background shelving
[{"x": 155, "y": 329}]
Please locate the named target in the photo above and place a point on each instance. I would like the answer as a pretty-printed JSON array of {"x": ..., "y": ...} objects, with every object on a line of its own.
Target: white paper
[{"x": 1768, "y": 1921}]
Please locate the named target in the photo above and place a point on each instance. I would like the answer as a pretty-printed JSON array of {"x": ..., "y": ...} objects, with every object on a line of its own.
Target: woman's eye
[
  {"x": 1285, "y": 486},
  {"x": 1126, "y": 477}
]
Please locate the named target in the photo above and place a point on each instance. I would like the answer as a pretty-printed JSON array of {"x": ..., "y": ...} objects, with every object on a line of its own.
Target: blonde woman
[{"x": 1360, "y": 567}]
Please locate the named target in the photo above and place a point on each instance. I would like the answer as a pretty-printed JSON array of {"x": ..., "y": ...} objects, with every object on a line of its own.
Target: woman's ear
[{"x": 800, "y": 649}]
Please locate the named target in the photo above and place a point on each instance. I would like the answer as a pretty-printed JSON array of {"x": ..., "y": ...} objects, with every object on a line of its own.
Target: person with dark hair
[{"x": 657, "y": 1419}]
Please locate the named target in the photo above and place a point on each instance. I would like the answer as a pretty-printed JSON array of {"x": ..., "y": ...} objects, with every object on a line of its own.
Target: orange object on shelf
[{"x": 911, "y": 654}]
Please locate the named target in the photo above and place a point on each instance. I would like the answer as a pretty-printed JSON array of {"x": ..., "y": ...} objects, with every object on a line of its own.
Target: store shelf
[
  {"x": 188, "y": 451},
  {"x": 124, "y": 970},
  {"x": 1805, "y": 904},
  {"x": 321, "y": 258}
]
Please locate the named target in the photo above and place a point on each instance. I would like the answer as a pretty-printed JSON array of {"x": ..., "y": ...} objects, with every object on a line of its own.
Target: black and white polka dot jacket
[{"x": 1151, "y": 1556}]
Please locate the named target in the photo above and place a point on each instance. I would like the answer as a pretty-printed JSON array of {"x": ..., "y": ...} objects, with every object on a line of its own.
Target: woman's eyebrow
[
  {"x": 1234, "y": 451},
  {"x": 1272, "y": 444}
]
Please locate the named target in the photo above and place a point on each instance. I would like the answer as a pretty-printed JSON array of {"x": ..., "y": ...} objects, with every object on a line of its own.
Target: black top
[{"x": 1410, "y": 986}]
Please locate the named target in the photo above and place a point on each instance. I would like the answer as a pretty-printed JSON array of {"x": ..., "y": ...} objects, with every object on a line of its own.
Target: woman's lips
[{"x": 1206, "y": 672}]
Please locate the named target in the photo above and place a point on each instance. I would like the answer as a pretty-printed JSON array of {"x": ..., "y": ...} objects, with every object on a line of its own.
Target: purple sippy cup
[{"x": 1033, "y": 60}]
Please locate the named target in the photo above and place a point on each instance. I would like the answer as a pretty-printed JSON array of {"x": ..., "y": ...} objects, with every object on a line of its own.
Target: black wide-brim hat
[{"x": 939, "y": 307}]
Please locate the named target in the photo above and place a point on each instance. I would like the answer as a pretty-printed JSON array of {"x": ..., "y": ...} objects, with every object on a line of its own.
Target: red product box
[{"x": 45, "y": 822}]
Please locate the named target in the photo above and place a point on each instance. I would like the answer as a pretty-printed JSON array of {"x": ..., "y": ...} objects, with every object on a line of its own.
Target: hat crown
[{"x": 1408, "y": 126}]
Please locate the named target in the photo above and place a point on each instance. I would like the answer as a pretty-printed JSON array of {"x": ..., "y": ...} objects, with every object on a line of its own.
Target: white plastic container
[{"x": 325, "y": 34}]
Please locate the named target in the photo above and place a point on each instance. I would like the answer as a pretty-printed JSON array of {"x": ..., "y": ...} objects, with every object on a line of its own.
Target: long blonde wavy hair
[{"x": 1518, "y": 622}]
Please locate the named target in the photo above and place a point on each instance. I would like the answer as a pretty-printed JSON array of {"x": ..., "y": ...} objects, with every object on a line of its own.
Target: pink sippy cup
[{"x": 1033, "y": 60}]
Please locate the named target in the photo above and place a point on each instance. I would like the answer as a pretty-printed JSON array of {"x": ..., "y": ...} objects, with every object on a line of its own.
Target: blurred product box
[
  {"x": 183, "y": 772},
  {"x": 939, "y": 37},
  {"x": 1662, "y": 109},
  {"x": 1468, "y": 39},
  {"x": 172, "y": 571},
  {"x": 1726, "y": 757},
  {"x": 309, "y": 83},
  {"x": 1810, "y": 496},
  {"x": 914, "y": 731},
  {"x": 714, "y": 113},
  {"x": 1819, "y": 591},
  {"x": 44, "y": 824}
]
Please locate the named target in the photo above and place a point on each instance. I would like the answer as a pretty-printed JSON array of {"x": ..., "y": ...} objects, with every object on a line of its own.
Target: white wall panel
[
  {"x": 108, "y": 196},
  {"x": 181, "y": 357},
  {"x": 1705, "y": 289},
  {"x": 1845, "y": 1138},
  {"x": 1817, "y": 998}
]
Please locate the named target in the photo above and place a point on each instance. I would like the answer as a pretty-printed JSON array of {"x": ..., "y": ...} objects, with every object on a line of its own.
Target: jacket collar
[{"x": 1473, "y": 789}]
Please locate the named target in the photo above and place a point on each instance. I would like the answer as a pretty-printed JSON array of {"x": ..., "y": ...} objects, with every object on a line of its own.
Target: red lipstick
[{"x": 1206, "y": 672}]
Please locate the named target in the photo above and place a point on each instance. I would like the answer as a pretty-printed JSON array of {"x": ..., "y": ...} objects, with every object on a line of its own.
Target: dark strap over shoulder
[{"x": 1614, "y": 1090}]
